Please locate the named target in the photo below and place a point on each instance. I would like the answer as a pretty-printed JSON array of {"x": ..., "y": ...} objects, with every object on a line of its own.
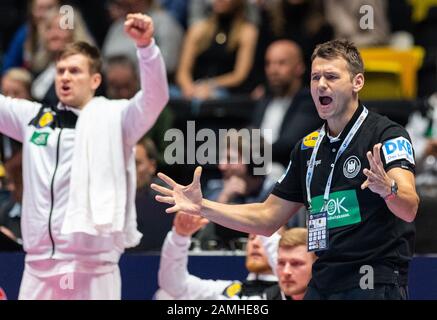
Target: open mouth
[
  {"x": 256, "y": 255},
  {"x": 65, "y": 89},
  {"x": 325, "y": 100}
]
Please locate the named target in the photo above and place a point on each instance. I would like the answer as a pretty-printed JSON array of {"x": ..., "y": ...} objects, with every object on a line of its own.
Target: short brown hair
[
  {"x": 293, "y": 237},
  {"x": 150, "y": 147},
  {"x": 344, "y": 49},
  {"x": 84, "y": 48}
]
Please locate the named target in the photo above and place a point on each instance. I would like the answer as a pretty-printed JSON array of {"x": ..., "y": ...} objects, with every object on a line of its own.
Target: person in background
[
  {"x": 292, "y": 264},
  {"x": 217, "y": 54},
  {"x": 177, "y": 283},
  {"x": 286, "y": 108},
  {"x": 168, "y": 34}
]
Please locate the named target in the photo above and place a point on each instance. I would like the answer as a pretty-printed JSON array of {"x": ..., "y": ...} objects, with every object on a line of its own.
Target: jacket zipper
[{"x": 52, "y": 194}]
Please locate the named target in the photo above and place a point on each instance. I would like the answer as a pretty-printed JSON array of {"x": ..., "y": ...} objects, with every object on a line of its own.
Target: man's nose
[{"x": 322, "y": 85}]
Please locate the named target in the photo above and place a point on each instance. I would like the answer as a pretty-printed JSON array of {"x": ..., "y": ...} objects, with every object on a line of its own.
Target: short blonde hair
[
  {"x": 294, "y": 237},
  {"x": 20, "y": 75}
]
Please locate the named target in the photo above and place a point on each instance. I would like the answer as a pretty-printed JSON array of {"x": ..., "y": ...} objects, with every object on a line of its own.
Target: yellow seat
[{"x": 391, "y": 73}]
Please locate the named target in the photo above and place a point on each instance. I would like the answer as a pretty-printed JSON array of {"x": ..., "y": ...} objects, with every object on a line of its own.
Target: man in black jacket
[{"x": 287, "y": 108}]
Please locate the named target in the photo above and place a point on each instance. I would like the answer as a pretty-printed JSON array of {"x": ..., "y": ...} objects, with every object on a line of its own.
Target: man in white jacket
[
  {"x": 78, "y": 258},
  {"x": 177, "y": 283}
]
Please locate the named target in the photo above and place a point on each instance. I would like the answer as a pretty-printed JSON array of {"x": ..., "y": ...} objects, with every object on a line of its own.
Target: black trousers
[{"x": 379, "y": 292}]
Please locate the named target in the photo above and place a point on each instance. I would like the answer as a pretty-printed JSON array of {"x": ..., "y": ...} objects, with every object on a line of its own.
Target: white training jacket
[
  {"x": 175, "y": 281},
  {"x": 48, "y": 134}
]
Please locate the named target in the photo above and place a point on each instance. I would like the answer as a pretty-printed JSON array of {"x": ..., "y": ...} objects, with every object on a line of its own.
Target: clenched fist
[{"x": 140, "y": 28}]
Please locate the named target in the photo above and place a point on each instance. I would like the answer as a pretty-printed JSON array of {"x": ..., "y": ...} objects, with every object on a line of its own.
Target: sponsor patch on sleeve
[
  {"x": 233, "y": 290},
  {"x": 397, "y": 149},
  {"x": 310, "y": 140}
]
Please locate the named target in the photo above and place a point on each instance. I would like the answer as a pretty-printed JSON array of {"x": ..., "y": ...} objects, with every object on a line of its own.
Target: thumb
[{"x": 197, "y": 174}]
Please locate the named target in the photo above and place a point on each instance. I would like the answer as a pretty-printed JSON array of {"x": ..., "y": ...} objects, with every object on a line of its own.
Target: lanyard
[{"x": 344, "y": 145}]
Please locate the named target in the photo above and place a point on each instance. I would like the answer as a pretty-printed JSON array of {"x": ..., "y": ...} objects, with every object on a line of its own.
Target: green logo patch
[
  {"x": 342, "y": 208},
  {"x": 40, "y": 138}
]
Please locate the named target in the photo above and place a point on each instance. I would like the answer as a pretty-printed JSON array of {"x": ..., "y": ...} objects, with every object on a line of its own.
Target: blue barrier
[{"x": 139, "y": 273}]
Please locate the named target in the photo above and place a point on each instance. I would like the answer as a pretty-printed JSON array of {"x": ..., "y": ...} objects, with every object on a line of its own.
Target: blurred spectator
[
  {"x": 27, "y": 47},
  {"x": 55, "y": 39},
  {"x": 287, "y": 108},
  {"x": 122, "y": 82},
  {"x": 177, "y": 283},
  {"x": 10, "y": 210},
  {"x": 12, "y": 15},
  {"x": 238, "y": 185},
  {"x": 153, "y": 221},
  {"x": 15, "y": 83},
  {"x": 218, "y": 53},
  {"x": 345, "y": 16},
  {"x": 199, "y": 10},
  {"x": 422, "y": 128},
  {"x": 178, "y": 9},
  {"x": 302, "y": 21},
  {"x": 168, "y": 33},
  {"x": 95, "y": 14}
]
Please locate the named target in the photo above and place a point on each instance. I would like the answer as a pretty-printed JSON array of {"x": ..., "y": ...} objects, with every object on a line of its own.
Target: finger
[
  {"x": 204, "y": 221},
  {"x": 167, "y": 179},
  {"x": 197, "y": 174},
  {"x": 173, "y": 209},
  {"x": 370, "y": 159},
  {"x": 372, "y": 177},
  {"x": 377, "y": 153},
  {"x": 161, "y": 189},
  {"x": 128, "y": 23},
  {"x": 372, "y": 162},
  {"x": 365, "y": 184},
  {"x": 169, "y": 200}
]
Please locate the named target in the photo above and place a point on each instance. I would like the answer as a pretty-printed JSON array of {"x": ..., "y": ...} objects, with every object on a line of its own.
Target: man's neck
[
  {"x": 337, "y": 124},
  {"x": 298, "y": 296}
]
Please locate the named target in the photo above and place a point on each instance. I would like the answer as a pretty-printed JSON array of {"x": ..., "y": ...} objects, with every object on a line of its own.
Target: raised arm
[
  {"x": 143, "y": 109},
  {"x": 258, "y": 218},
  {"x": 173, "y": 274},
  {"x": 405, "y": 204}
]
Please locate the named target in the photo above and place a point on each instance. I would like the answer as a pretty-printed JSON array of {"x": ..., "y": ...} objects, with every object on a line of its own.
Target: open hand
[
  {"x": 377, "y": 179},
  {"x": 183, "y": 198}
]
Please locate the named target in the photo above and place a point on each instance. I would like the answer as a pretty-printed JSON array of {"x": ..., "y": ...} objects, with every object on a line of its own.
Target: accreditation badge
[{"x": 318, "y": 231}]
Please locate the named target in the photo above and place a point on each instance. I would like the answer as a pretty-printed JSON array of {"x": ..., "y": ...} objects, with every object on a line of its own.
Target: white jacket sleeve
[
  {"x": 15, "y": 114},
  {"x": 173, "y": 276},
  {"x": 270, "y": 245},
  {"x": 416, "y": 127},
  {"x": 144, "y": 108}
]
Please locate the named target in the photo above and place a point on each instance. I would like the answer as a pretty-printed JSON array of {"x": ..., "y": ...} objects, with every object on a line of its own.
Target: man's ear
[
  {"x": 358, "y": 82},
  {"x": 96, "y": 80}
]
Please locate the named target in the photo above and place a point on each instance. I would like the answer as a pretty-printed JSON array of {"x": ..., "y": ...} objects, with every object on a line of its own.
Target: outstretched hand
[
  {"x": 377, "y": 179},
  {"x": 140, "y": 28},
  {"x": 183, "y": 198},
  {"x": 187, "y": 224}
]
